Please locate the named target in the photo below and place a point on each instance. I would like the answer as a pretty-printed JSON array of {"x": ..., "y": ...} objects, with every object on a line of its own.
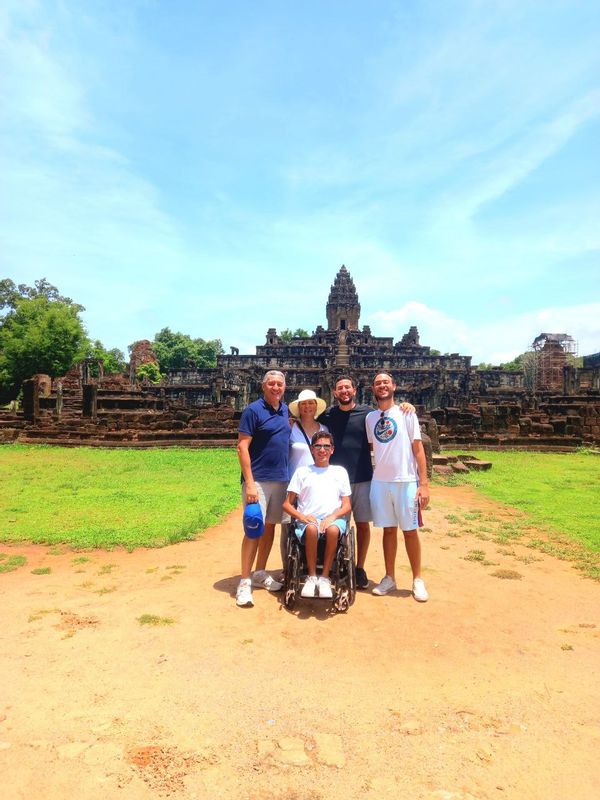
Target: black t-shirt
[{"x": 350, "y": 439}]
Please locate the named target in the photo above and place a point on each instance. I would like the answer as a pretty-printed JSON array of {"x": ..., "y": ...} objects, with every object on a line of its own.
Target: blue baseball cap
[{"x": 253, "y": 521}]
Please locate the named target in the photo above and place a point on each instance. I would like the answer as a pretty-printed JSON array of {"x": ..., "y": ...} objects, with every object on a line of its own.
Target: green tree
[
  {"x": 11, "y": 295},
  {"x": 287, "y": 334},
  {"x": 149, "y": 371},
  {"x": 38, "y": 335},
  {"x": 114, "y": 360},
  {"x": 176, "y": 350},
  {"x": 516, "y": 365}
]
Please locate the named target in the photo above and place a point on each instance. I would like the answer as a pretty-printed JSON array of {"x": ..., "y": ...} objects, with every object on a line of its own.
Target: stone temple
[
  {"x": 342, "y": 347},
  {"x": 549, "y": 405}
]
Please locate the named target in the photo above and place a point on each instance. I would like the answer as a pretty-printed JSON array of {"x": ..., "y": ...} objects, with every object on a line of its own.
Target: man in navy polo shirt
[{"x": 263, "y": 447}]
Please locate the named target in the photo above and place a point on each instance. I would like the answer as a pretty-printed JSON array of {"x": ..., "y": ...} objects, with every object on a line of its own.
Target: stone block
[
  {"x": 478, "y": 465},
  {"x": 442, "y": 469}
]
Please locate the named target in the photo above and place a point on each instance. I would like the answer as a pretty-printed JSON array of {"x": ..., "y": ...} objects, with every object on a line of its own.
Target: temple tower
[{"x": 343, "y": 308}]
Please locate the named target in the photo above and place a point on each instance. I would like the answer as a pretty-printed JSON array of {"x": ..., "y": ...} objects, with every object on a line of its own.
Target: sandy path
[{"x": 475, "y": 694}]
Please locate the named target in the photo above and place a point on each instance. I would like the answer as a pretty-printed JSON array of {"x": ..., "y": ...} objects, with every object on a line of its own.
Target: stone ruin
[
  {"x": 142, "y": 353},
  {"x": 458, "y": 405}
]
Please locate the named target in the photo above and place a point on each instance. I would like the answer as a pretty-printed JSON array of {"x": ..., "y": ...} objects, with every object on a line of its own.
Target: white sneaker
[
  {"x": 310, "y": 585},
  {"x": 262, "y": 580},
  {"x": 325, "y": 588},
  {"x": 387, "y": 585},
  {"x": 419, "y": 591},
  {"x": 243, "y": 595}
]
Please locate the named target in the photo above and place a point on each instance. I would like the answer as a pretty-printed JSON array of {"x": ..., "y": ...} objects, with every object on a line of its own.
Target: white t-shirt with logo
[
  {"x": 392, "y": 436},
  {"x": 320, "y": 489}
]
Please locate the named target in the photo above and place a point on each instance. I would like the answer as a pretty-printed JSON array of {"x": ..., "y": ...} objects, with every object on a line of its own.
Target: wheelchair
[{"x": 342, "y": 573}]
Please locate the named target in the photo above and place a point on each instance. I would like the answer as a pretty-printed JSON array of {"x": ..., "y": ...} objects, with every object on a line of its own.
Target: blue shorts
[
  {"x": 301, "y": 527},
  {"x": 395, "y": 504}
]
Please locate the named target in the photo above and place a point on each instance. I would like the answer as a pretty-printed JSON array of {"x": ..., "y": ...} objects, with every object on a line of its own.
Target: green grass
[
  {"x": 555, "y": 491},
  {"x": 89, "y": 497},
  {"x": 507, "y": 574},
  {"x": 475, "y": 555},
  {"x": 154, "y": 619},
  {"x": 550, "y": 501},
  {"x": 11, "y": 563}
]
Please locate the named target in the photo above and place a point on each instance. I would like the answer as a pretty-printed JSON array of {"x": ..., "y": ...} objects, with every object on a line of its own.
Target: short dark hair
[
  {"x": 345, "y": 378},
  {"x": 389, "y": 374},
  {"x": 321, "y": 435}
]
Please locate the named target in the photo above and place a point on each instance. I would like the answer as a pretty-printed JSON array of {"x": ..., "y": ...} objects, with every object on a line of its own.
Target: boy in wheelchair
[{"x": 318, "y": 499}]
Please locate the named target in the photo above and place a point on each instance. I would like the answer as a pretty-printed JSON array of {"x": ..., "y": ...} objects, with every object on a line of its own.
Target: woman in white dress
[{"x": 304, "y": 410}]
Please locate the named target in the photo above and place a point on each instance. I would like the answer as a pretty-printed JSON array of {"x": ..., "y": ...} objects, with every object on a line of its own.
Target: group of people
[{"x": 318, "y": 469}]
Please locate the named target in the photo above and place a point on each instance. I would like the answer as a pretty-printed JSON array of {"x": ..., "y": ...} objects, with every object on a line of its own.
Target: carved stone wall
[{"x": 457, "y": 404}]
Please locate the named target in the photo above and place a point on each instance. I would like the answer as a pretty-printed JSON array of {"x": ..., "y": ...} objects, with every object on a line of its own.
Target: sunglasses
[{"x": 322, "y": 446}]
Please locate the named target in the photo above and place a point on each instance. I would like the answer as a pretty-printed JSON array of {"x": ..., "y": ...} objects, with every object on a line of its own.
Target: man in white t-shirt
[
  {"x": 400, "y": 487},
  {"x": 319, "y": 498}
]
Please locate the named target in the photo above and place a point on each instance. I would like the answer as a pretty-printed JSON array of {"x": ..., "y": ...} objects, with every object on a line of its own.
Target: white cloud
[
  {"x": 513, "y": 164},
  {"x": 493, "y": 342},
  {"x": 38, "y": 93},
  {"x": 79, "y": 212},
  {"x": 406, "y": 176}
]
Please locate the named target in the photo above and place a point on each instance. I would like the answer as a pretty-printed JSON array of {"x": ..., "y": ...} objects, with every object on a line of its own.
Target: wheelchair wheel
[
  {"x": 291, "y": 582},
  {"x": 345, "y": 574},
  {"x": 351, "y": 565}
]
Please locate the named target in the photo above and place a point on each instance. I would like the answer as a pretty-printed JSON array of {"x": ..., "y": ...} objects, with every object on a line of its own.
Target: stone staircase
[
  {"x": 11, "y": 424},
  {"x": 126, "y": 419},
  {"x": 342, "y": 356}
]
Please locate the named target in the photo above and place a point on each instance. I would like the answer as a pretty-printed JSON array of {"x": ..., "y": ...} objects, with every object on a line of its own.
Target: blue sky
[{"x": 208, "y": 166}]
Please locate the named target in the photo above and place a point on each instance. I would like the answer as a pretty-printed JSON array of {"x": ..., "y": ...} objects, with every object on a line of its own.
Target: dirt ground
[{"x": 490, "y": 690}]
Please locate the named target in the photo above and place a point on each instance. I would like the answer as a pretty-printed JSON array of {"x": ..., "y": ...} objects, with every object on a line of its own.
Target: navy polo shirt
[{"x": 270, "y": 432}]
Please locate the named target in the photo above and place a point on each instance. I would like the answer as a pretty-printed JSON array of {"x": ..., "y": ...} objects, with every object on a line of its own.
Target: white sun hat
[{"x": 307, "y": 394}]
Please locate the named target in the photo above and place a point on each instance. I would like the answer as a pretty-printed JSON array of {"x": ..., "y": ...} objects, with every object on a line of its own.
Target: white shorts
[
  {"x": 395, "y": 504},
  {"x": 271, "y": 496}
]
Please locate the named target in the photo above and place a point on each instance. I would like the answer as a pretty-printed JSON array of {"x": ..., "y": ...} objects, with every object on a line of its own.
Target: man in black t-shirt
[{"x": 346, "y": 421}]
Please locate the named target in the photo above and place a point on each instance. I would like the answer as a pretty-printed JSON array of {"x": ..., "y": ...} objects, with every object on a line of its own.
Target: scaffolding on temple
[{"x": 550, "y": 357}]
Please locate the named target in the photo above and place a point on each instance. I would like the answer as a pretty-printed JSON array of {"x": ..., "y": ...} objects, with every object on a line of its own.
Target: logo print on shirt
[{"x": 385, "y": 430}]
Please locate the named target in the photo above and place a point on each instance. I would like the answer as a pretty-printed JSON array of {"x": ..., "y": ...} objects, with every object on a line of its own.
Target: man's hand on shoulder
[{"x": 407, "y": 408}]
